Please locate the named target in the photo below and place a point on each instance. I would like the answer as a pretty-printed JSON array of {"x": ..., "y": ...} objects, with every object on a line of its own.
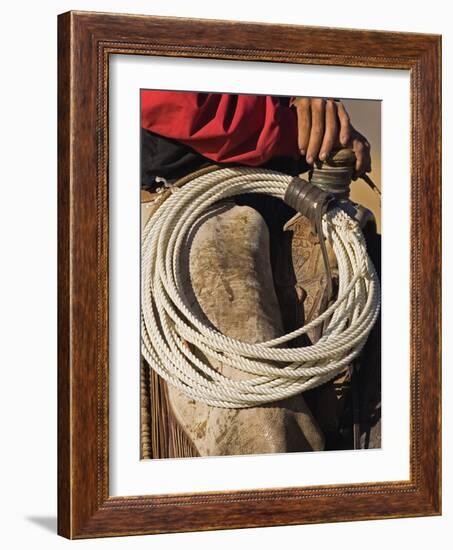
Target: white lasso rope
[{"x": 276, "y": 371}]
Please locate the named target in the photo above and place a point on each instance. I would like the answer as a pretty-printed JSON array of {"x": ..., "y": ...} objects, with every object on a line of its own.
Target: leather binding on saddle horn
[{"x": 312, "y": 202}]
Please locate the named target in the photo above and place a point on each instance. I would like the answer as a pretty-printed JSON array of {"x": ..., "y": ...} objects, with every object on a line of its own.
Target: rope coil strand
[{"x": 171, "y": 332}]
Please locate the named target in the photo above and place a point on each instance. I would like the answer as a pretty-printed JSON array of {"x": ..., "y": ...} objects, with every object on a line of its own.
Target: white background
[{"x": 28, "y": 277}]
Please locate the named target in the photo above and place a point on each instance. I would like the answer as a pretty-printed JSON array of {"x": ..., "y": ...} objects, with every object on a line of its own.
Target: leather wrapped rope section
[{"x": 174, "y": 339}]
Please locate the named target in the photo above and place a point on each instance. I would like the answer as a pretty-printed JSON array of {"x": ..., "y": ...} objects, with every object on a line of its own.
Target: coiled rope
[{"x": 171, "y": 332}]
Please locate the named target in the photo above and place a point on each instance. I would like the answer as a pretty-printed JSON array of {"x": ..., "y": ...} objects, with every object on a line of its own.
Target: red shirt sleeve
[{"x": 246, "y": 129}]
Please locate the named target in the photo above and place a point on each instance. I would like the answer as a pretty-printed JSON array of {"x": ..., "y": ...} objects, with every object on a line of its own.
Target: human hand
[{"x": 324, "y": 125}]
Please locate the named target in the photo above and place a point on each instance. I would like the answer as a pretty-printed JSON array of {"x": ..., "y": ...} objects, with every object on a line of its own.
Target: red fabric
[{"x": 246, "y": 129}]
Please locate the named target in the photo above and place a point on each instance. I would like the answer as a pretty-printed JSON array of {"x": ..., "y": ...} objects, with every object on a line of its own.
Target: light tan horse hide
[{"x": 230, "y": 286}]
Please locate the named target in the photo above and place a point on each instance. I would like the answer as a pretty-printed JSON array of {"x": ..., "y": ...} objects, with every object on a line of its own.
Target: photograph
[
  {"x": 225, "y": 282},
  {"x": 249, "y": 274},
  {"x": 260, "y": 274}
]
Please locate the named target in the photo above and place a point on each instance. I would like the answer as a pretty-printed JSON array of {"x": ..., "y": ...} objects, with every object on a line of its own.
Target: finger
[
  {"x": 362, "y": 158},
  {"x": 345, "y": 125},
  {"x": 317, "y": 129},
  {"x": 303, "y": 124},
  {"x": 331, "y": 130}
]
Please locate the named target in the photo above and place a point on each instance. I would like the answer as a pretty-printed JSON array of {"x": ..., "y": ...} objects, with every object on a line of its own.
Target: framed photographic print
[{"x": 249, "y": 275}]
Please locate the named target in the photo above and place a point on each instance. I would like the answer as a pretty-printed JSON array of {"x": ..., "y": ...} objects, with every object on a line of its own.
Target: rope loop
[{"x": 171, "y": 332}]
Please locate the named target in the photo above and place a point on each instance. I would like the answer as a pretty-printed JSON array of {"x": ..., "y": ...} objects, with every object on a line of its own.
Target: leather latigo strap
[{"x": 312, "y": 202}]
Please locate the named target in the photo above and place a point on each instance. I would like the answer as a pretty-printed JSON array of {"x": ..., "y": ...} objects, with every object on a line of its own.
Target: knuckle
[
  {"x": 317, "y": 132},
  {"x": 345, "y": 136}
]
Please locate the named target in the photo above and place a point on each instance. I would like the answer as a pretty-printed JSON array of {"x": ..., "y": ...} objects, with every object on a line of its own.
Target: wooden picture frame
[{"x": 85, "y": 41}]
